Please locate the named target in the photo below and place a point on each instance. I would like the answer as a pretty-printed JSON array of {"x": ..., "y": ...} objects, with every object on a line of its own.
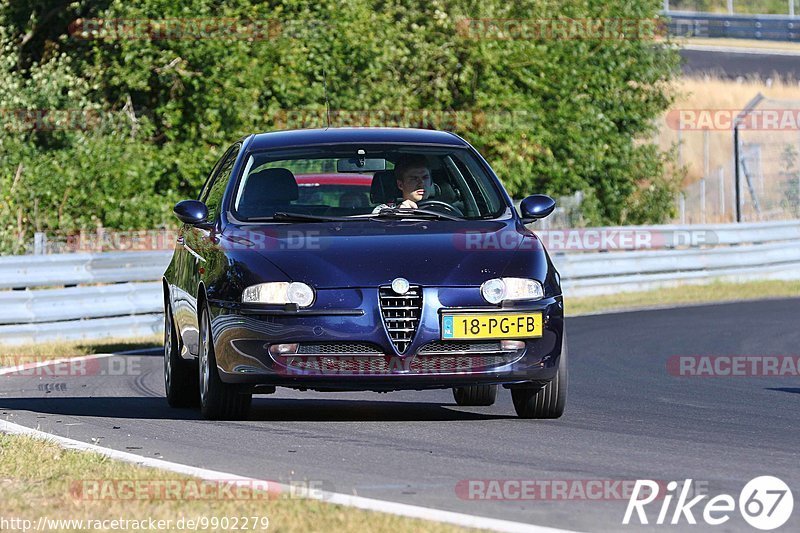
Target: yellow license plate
[{"x": 491, "y": 326}]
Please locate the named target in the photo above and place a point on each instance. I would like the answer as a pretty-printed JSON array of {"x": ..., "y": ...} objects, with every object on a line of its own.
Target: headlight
[
  {"x": 279, "y": 292},
  {"x": 497, "y": 290}
]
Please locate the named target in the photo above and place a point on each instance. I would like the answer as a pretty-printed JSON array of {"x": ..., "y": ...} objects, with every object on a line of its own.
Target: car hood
[{"x": 373, "y": 253}]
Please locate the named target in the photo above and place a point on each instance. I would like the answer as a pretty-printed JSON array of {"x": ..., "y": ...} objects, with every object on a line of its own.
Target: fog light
[
  {"x": 283, "y": 349},
  {"x": 512, "y": 345}
]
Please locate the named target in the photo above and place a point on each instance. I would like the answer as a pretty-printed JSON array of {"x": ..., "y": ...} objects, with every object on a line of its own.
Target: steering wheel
[{"x": 448, "y": 207}]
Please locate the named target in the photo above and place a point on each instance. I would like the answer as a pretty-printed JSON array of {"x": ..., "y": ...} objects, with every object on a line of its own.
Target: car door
[{"x": 194, "y": 243}]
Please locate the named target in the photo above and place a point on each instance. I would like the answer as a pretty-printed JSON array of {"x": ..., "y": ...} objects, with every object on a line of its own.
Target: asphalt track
[
  {"x": 733, "y": 65},
  {"x": 627, "y": 418}
]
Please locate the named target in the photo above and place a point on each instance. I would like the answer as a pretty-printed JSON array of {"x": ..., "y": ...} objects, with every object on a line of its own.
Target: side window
[
  {"x": 213, "y": 196},
  {"x": 204, "y": 191}
]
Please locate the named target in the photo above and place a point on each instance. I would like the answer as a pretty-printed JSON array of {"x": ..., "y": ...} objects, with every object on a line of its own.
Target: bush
[{"x": 553, "y": 116}]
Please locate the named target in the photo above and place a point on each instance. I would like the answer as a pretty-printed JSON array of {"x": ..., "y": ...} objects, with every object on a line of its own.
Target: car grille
[
  {"x": 335, "y": 364},
  {"x": 458, "y": 363},
  {"x": 364, "y": 358},
  {"x": 370, "y": 365},
  {"x": 401, "y": 314},
  {"x": 461, "y": 356},
  {"x": 458, "y": 347},
  {"x": 324, "y": 348}
]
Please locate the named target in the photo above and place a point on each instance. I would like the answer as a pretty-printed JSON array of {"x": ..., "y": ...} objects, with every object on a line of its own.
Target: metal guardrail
[
  {"x": 24, "y": 271},
  {"x": 55, "y": 305},
  {"x": 117, "y": 294},
  {"x": 78, "y": 330},
  {"x": 713, "y": 25}
]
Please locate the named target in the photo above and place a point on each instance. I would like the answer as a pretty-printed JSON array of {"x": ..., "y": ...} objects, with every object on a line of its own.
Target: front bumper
[{"x": 347, "y": 347}]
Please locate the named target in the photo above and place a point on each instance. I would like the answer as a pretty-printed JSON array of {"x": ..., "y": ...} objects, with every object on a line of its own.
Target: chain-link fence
[{"x": 768, "y": 161}]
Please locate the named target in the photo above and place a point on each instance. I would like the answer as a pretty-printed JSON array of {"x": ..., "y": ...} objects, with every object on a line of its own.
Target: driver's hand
[{"x": 409, "y": 204}]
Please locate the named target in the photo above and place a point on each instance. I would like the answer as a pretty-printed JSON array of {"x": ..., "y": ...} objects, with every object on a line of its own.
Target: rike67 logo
[{"x": 765, "y": 503}]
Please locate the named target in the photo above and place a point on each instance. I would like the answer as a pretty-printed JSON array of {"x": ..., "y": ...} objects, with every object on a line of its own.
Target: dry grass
[
  {"x": 38, "y": 479},
  {"x": 740, "y": 43},
  {"x": 718, "y": 94},
  {"x": 688, "y": 294},
  {"x": 11, "y": 355},
  {"x": 713, "y": 94}
]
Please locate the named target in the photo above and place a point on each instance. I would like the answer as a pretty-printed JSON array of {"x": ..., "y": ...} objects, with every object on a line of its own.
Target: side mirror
[
  {"x": 536, "y": 206},
  {"x": 191, "y": 212}
]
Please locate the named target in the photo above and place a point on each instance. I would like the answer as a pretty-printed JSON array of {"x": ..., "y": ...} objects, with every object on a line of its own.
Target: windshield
[{"x": 365, "y": 181}]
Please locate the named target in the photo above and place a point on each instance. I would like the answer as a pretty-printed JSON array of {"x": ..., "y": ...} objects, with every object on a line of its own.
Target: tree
[{"x": 553, "y": 112}]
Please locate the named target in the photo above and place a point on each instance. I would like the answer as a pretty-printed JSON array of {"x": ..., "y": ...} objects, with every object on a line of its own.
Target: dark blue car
[{"x": 361, "y": 259}]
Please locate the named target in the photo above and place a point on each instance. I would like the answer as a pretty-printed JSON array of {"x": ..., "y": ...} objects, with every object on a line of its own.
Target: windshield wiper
[
  {"x": 410, "y": 212},
  {"x": 298, "y": 217}
]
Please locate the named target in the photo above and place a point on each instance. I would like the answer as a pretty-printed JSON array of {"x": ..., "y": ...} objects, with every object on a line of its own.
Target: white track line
[
  {"x": 38, "y": 364},
  {"x": 369, "y": 504},
  {"x": 742, "y": 50}
]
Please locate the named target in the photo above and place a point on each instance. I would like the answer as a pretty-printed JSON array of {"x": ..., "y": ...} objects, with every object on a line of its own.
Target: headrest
[
  {"x": 384, "y": 187},
  {"x": 270, "y": 186}
]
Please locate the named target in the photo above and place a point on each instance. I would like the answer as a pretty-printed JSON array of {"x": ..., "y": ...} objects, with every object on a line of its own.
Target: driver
[{"x": 413, "y": 180}]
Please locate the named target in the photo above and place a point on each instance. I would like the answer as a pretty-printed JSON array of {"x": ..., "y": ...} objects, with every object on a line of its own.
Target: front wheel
[
  {"x": 218, "y": 400},
  {"x": 180, "y": 378},
  {"x": 475, "y": 395},
  {"x": 547, "y": 401}
]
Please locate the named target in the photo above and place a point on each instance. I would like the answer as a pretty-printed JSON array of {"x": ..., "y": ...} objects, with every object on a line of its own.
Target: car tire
[
  {"x": 180, "y": 377},
  {"x": 218, "y": 400},
  {"x": 548, "y": 401},
  {"x": 475, "y": 395}
]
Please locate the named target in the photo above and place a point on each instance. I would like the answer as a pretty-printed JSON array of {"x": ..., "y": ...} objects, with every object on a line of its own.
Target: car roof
[
  {"x": 294, "y": 138},
  {"x": 334, "y": 179}
]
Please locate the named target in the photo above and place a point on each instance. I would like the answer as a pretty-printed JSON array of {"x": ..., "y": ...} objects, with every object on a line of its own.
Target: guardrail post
[
  {"x": 702, "y": 200},
  {"x": 737, "y": 159},
  {"x": 39, "y": 243},
  {"x": 682, "y": 207},
  {"x": 737, "y": 186},
  {"x": 706, "y": 176}
]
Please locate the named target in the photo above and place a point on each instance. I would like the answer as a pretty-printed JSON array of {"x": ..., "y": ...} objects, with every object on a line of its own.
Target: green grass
[
  {"x": 39, "y": 478},
  {"x": 685, "y": 295},
  {"x": 17, "y": 354}
]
